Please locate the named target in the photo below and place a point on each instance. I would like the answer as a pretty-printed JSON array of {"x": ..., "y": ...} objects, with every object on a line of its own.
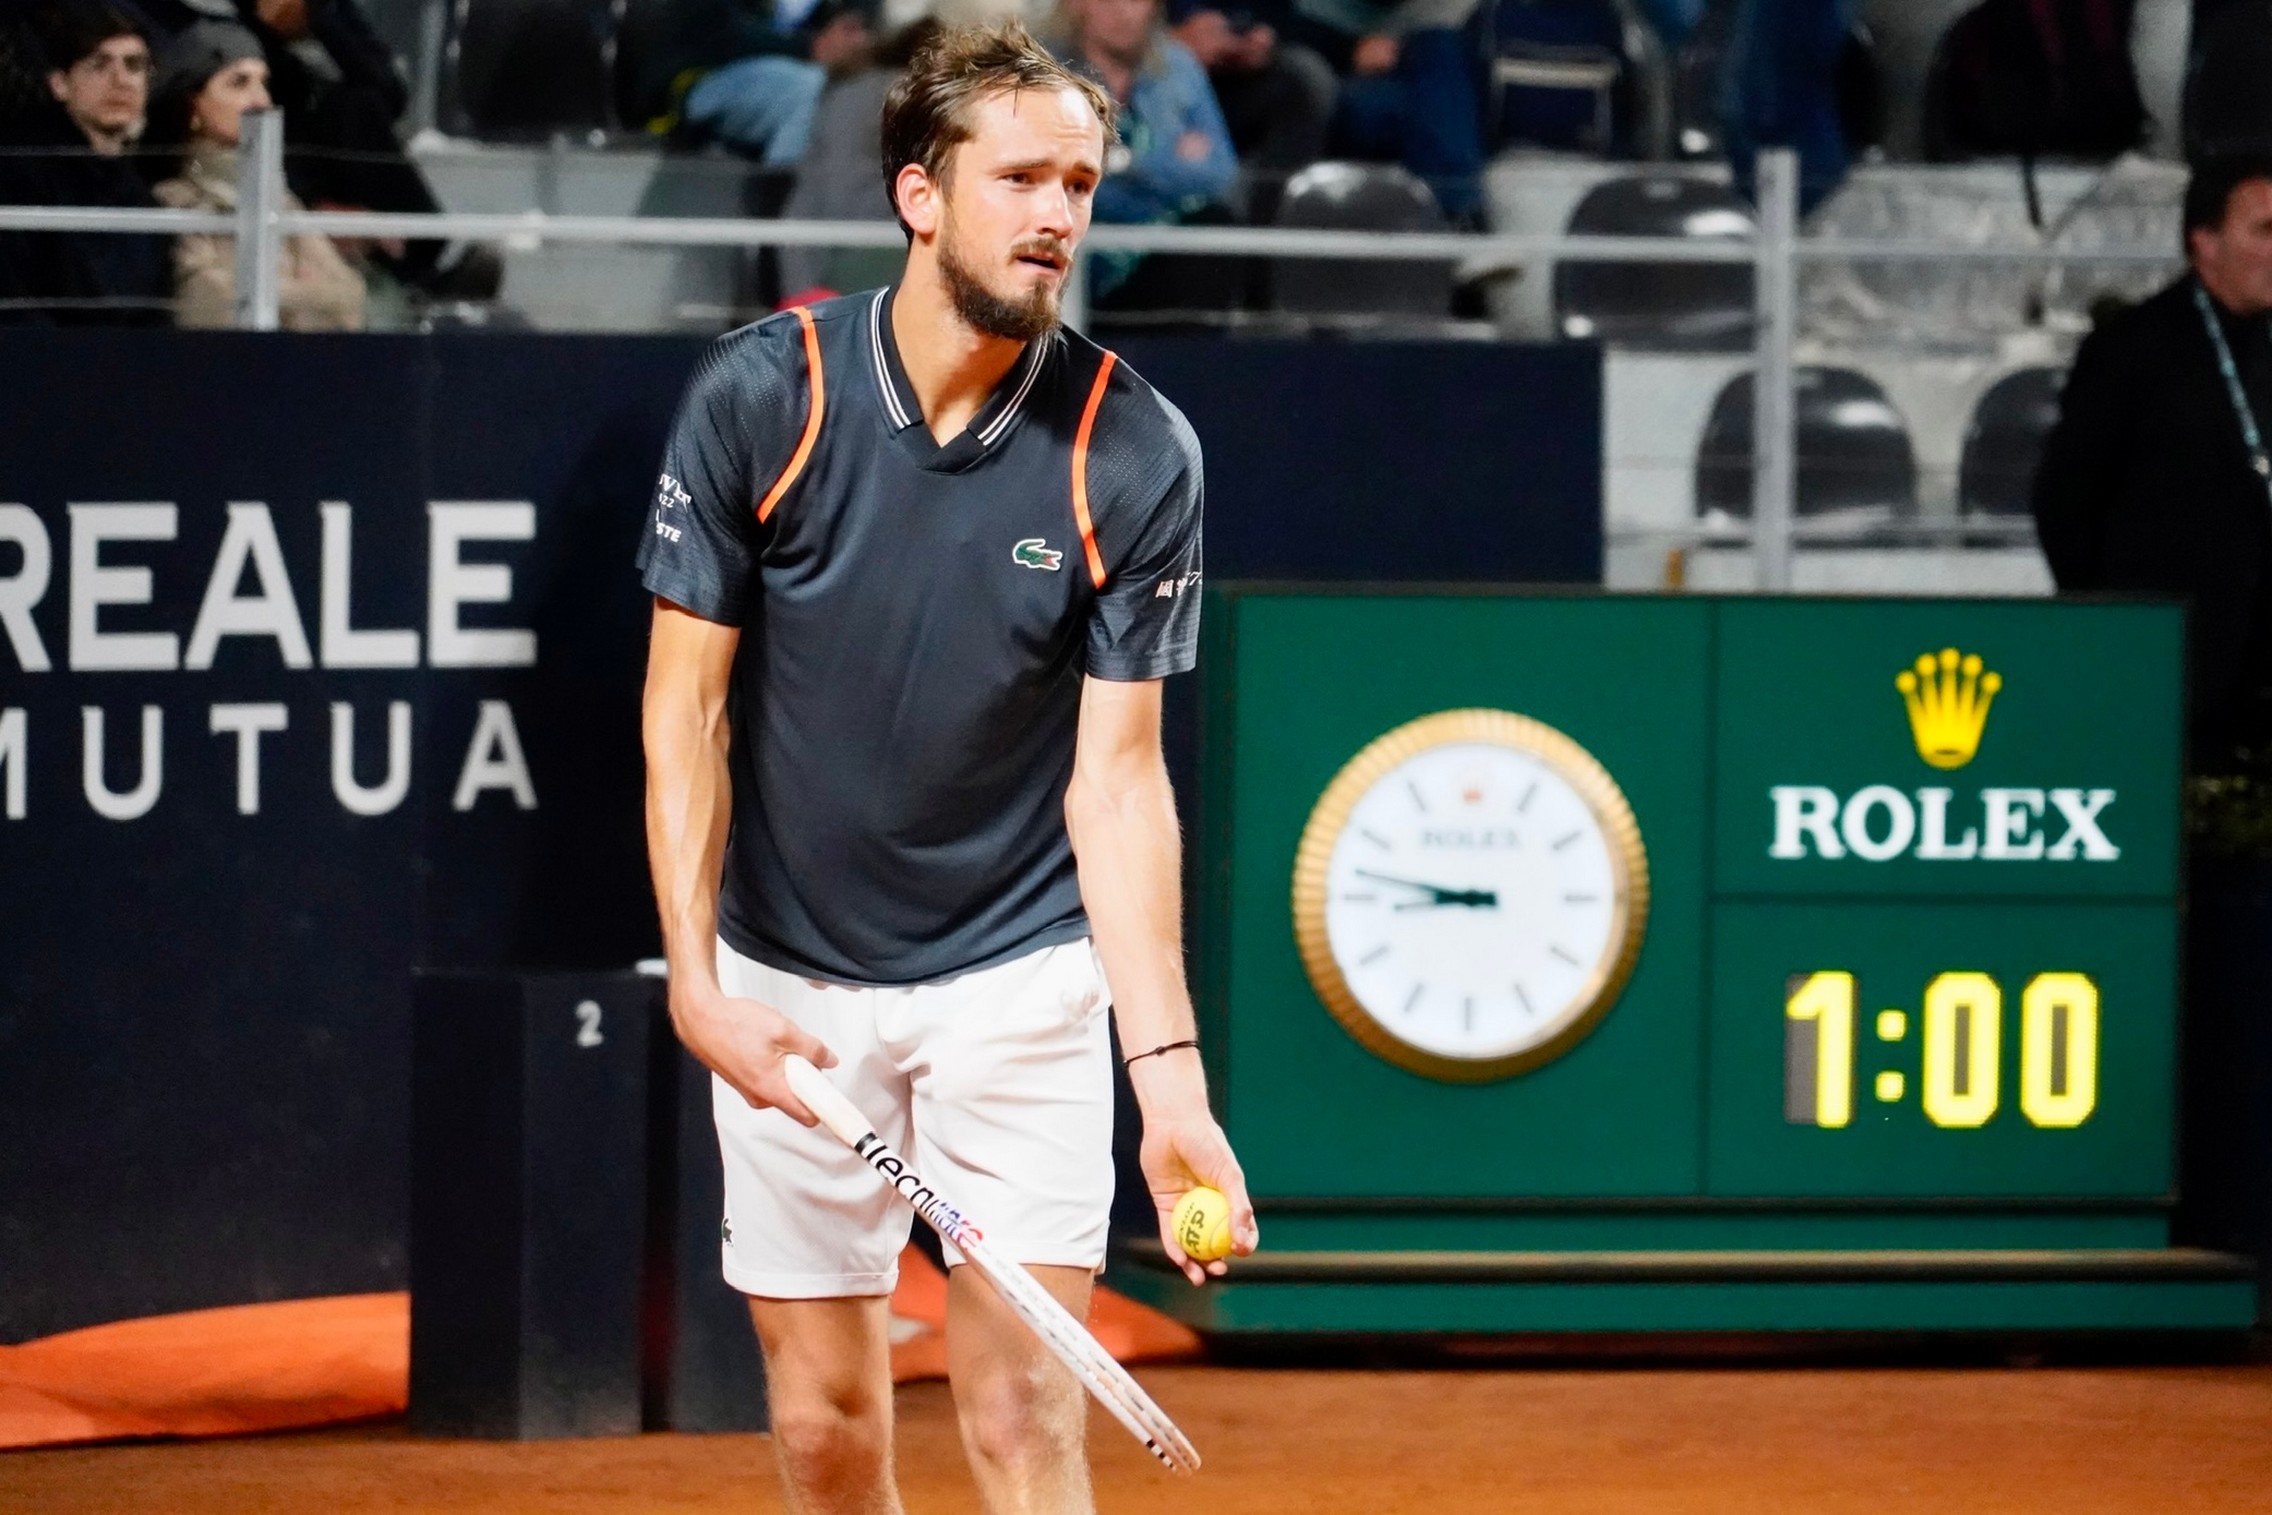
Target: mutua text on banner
[{"x": 249, "y": 594}]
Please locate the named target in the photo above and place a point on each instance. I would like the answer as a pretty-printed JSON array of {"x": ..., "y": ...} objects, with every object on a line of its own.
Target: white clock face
[{"x": 1472, "y": 902}]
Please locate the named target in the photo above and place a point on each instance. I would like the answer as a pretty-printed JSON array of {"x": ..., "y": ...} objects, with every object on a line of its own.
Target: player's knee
[
  {"x": 831, "y": 1445},
  {"x": 1024, "y": 1416}
]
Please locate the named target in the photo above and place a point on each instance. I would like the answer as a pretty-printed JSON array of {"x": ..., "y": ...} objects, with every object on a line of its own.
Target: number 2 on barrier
[{"x": 1107, "y": 1382}]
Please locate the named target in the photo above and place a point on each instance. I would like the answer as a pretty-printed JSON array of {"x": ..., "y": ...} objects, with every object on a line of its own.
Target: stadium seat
[
  {"x": 2005, "y": 441},
  {"x": 1560, "y": 76},
  {"x": 1856, "y": 471},
  {"x": 1686, "y": 306},
  {"x": 1905, "y": 33},
  {"x": 1360, "y": 197},
  {"x": 528, "y": 69}
]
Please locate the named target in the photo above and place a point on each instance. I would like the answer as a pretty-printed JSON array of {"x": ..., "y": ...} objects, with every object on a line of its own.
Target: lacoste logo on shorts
[{"x": 1033, "y": 552}]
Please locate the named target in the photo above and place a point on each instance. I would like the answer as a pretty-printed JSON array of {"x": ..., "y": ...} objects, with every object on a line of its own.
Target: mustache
[{"x": 1044, "y": 247}]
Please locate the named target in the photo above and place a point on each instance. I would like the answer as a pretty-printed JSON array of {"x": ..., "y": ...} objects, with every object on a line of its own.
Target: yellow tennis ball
[{"x": 1202, "y": 1224}]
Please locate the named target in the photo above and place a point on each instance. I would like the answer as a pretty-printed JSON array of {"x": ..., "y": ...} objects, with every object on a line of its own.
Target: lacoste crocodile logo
[{"x": 1033, "y": 552}]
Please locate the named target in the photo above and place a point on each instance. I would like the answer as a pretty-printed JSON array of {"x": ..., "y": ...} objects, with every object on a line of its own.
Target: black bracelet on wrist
[{"x": 1156, "y": 1051}]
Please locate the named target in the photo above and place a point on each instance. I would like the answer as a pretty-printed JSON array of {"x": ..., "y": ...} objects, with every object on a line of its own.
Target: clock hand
[
  {"x": 1437, "y": 894},
  {"x": 1388, "y": 878},
  {"x": 1480, "y": 898}
]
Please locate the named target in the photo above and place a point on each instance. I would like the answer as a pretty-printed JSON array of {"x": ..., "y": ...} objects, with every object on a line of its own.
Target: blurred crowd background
[
  {"x": 1636, "y": 116},
  {"x": 2059, "y": 131}
]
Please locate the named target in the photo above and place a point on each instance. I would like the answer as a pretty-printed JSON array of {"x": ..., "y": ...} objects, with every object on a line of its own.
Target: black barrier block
[
  {"x": 703, "y": 1369},
  {"x": 528, "y": 1202}
]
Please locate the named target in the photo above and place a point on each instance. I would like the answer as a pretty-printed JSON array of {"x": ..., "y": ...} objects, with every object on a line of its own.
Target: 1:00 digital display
[{"x": 1960, "y": 1082}]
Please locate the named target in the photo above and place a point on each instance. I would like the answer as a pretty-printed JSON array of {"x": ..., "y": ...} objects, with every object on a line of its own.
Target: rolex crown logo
[{"x": 1948, "y": 698}]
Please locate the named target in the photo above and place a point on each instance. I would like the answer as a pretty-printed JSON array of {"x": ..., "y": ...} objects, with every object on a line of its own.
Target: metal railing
[{"x": 262, "y": 220}]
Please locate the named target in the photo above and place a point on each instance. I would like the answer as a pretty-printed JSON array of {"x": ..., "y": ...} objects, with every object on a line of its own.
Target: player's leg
[
  {"x": 1012, "y": 1089},
  {"x": 828, "y": 1386},
  {"x": 814, "y": 1240},
  {"x": 1024, "y": 1416}
]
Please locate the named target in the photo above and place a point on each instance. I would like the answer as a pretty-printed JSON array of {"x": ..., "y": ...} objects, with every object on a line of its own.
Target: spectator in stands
[
  {"x": 1277, "y": 99},
  {"x": 100, "y": 83},
  {"x": 1408, "y": 88},
  {"x": 842, "y": 176},
  {"x": 750, "y": 72},
  {"x": 1174, "y": 161},
  {"x": 2159, "y": 473},
  {"x": 336, "y": 82},
  {"x": 209, "y": 77},
  {"x": 1779, "y": 88}
]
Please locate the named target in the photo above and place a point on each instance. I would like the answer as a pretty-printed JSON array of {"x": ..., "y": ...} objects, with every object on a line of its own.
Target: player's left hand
[{"x": 1181, "y": 1151}]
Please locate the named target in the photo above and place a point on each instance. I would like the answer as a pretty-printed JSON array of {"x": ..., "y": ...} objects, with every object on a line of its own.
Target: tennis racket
[{"x": 1104, "y": 1378}]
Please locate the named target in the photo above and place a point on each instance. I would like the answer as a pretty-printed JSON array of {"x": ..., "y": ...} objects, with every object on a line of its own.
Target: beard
[{"x": 997, "y": 315}]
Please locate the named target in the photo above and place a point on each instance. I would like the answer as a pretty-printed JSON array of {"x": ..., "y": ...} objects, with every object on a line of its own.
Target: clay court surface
[{"x": 1999, "y": 1441}]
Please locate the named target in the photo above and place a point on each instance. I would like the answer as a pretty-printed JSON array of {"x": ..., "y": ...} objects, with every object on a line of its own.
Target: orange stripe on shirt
[
  {"x": 804, "y": 450},
  {"x": 1081, "y": 516}
]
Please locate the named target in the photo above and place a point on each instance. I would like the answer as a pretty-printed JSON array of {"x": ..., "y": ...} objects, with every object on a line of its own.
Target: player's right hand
[{"x": 743, "y": 1041}]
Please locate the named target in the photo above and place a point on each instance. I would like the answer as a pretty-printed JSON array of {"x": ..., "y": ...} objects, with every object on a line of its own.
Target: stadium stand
[
  {"x": 1360, "y": 197},
  {"x": 1857, "y": 472},
  {"x": 2005, "y": 440},
  {"x": 522, "y": 69},
  {"x": 1661, "y": 305},
  {"x": 1561, "y": 75}
]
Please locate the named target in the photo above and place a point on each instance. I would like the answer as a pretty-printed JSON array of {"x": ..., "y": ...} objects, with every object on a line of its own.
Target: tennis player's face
[{"x": 1016, "y": 205}]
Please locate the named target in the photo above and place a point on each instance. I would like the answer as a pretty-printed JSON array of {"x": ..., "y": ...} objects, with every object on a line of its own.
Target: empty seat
[
  {"x": 1685, "y": 306},
  {"x": 1559, "y": 74},
  {"x": 522, "y": 69},
  {"x": 1360, "y": 197},
  {"x": 1856, "y": 471},
  {"x": 2004, "y": 443}
]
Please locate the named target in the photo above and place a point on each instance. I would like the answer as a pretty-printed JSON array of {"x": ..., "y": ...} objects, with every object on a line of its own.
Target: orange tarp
[
  {"x": 304, "y": 1362},
  {"x": 315, "y": 1361}
]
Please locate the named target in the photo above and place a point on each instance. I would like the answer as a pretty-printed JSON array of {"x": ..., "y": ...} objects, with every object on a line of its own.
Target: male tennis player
[{"x": 921, "y": 558}]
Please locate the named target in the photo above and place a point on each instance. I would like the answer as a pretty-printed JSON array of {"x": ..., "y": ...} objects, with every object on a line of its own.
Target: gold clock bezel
[{"x": 1629, "y": 868}]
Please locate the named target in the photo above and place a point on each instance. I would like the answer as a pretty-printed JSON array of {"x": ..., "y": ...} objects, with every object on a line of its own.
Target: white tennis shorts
[{"x": 998, "y": 1084}]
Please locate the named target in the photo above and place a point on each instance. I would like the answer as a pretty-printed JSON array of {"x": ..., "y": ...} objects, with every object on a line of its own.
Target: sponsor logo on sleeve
[
  {"x": 1169, "y": 588},
  {"x": 669, "y": 495}
]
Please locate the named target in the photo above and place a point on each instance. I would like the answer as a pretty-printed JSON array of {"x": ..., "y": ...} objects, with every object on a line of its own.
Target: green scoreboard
[{"x": 1587, "y": 962}]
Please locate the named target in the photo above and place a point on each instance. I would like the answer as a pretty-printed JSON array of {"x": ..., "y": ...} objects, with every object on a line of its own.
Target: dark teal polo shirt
[{"x": 916, "y": 624}]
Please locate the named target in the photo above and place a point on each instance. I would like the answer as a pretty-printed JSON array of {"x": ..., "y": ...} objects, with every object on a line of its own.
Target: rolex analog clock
[{"x": 1470, "y": 894}]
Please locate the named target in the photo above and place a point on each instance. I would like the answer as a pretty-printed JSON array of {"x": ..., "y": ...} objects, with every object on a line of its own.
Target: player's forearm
[
  {"x": 689, "y": 806},
  {"x": 1130, "y": 856}
]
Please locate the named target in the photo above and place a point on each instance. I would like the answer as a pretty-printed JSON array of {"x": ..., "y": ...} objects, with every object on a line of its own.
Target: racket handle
[{"x": 825, "y": 1100}]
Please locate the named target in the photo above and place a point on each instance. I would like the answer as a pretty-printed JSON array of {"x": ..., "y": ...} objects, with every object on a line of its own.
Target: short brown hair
[{"x": 927, "y": 113}]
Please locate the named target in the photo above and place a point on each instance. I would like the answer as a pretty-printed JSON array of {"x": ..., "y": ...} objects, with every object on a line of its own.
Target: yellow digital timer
[{"x": 1960, "y": 1077}]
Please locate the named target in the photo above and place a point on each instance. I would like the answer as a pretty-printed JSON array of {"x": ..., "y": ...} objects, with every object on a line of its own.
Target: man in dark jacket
[
  {"x": 77, "y": 153},
  {"x": 2158, "y": 476}
]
